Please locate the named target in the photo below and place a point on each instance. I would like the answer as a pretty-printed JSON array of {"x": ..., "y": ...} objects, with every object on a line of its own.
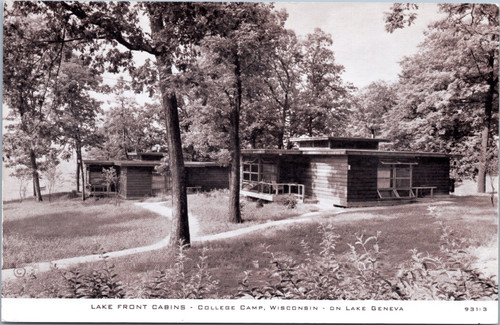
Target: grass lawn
[
  {"x": 402, "y": 228},
  {"x": 44, "y": 231},
  {"x": 211, "y": 210}
]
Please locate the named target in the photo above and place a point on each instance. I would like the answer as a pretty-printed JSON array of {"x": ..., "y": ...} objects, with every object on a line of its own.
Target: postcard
[{"x": 250, "y": 162}]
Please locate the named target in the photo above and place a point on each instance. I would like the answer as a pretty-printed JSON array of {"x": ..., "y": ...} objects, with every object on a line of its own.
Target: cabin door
[{"x": 394, "y": 181}]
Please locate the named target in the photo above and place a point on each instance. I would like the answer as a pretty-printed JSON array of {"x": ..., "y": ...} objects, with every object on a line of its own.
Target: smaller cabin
[
  {"x": 138, "y": 177},
  {"x": 345, "y": 172}
]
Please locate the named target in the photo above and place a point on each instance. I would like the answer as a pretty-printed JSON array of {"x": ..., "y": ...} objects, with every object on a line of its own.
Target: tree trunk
[
  {"x": 310, "y": 126},
  {"x": 234, "y": 134},
  {"x": 77, "y": 175},
  {"x": 483, "y": 160},
  {"x": 280, "y": 140},
  {"x": 281, "y": 133},
  {"x": 36, "y": 180},
  {"x": 180, "y": 223},
  {"x": 79, "y": 168}
]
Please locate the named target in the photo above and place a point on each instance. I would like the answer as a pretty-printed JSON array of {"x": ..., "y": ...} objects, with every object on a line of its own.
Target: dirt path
[{"x": 160, "y": 208}]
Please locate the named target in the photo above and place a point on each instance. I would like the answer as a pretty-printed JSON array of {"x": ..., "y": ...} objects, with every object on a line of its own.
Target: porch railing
[{"x": 294, "y": 189}]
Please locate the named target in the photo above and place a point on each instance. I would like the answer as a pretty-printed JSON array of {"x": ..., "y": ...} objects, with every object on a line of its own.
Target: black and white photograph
[{"x": 246, "y": 162}]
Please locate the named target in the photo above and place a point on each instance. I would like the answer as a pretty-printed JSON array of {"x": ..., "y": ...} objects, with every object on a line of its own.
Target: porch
[
  {"x": 272, "y": 191},
  {"x": 270, "y": 178}
]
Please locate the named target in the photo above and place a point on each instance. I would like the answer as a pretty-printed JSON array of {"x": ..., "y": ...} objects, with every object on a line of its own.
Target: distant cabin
[
  {"x": 345, "y": 172},
  {"x": 138, "y": 177}
]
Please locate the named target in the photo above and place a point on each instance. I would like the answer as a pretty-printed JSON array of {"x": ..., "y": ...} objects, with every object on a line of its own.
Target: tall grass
[
  {"x": 408, "y": 235},
  {"x": 212, "y": 211},
  {"x": 323, "y": 273},
  {"x": 37, "y": 232}
]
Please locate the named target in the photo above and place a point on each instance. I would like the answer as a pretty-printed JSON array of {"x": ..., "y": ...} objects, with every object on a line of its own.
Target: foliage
[
  {"x": 22, "y": 174},
  {"x": 95, "y": 283},
  {"x": 372, "y": 105},
  {"x": 326, "y": 275},
  {"x": 281, "y": 95},
  {"x": 128, "y": 126},
  {"x": 31, "y": 61},
  {"x": 76, "y": 113},
  {"x": 111, "y": 179},
  {"x": 53, "y": 176},
  {"x": 325, "y": 96},
  {"x": 447, "y": 95},
  {"x": 290, "y": 201},
  {"x": 401, "y": 14},
  {"x": 176, "y": 283}
]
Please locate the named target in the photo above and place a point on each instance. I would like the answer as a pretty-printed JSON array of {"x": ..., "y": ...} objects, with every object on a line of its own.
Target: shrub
[
  {"x": 73, "y": 194},
  {"x": 357, "y": 275},
  {"x": 94, "y": 283},
  {"x": 450, "y": 277},
  {"x": 290, "y": 201},
  {"x": 175, "y": 283}
]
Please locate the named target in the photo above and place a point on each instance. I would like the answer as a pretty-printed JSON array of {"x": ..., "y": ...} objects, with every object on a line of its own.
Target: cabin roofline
[
  {"x": 326, "y": 138},
  {"x": 342, "y": 152},
  {"x": 146, "y": 163}
]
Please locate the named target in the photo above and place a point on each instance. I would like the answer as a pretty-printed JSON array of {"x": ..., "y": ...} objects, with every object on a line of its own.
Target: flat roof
[
  {"x": 273, "y": 151},
  {"x": 341, "y": 152},
  {"x": 322, "y": 138},
  {"x": 146, "y": 163},
  {"x": 138, "y": 163},
  {"x": 98, "y": 162}
]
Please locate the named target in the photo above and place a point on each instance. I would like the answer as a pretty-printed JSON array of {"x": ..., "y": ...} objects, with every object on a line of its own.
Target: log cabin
[
  {"x": 345, "y": 172},
  {"x": 138, "y": 178}
]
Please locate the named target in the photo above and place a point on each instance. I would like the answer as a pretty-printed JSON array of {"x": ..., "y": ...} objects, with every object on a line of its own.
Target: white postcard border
[{"x": 248, "y": 311}]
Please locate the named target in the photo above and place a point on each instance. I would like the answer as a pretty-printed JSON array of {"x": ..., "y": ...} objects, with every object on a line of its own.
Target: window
[
  {"x": 394, "y": 180},
  {"x": 251, "y": 171}
]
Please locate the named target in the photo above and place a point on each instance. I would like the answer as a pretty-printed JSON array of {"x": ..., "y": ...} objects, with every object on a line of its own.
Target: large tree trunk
[
  {"x": 234, "y": 134},
  {"x": 485, "y": 133},
  {"x": 36, "y": 179},
  {"x": 180, "y": 223}
]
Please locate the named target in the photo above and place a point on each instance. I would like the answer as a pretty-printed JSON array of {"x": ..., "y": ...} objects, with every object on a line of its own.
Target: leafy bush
[
  {"x": 178, "y": 282},
  {"x": 94, "y": 283},
  {"x": 450, "y": 277},
  {"x": 290, "y": 201},
  {"x": 175, "y": 283},
  {"x": 357, "y": 275}
]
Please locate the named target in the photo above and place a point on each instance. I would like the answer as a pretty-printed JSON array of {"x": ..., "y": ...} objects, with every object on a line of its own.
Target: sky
[{"x": 360, "y": 42}]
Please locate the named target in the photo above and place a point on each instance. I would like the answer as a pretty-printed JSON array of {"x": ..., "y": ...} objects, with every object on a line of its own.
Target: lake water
[{"x": 10, "y": 185}]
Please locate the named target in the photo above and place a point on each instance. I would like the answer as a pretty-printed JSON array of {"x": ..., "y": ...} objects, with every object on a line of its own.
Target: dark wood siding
[
  {"x": 291, "y": 169},
  {"x": 431, "y": 171},
  {"x": 161, "y": 183},
  {"x": 139, "y": 182},
  {"x": 344, "y": 144},
  {"x": 209, "y": 177},
  {"x": 362, "y": 179},
  {"x": 325, "y": 177}
]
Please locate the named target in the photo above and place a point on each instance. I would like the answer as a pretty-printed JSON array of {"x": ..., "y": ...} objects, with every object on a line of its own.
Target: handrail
[{"x": 279, "y": 188}]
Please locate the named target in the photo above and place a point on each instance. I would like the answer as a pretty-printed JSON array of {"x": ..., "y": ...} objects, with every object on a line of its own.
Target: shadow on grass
[{"x": 70, "y": 225}]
